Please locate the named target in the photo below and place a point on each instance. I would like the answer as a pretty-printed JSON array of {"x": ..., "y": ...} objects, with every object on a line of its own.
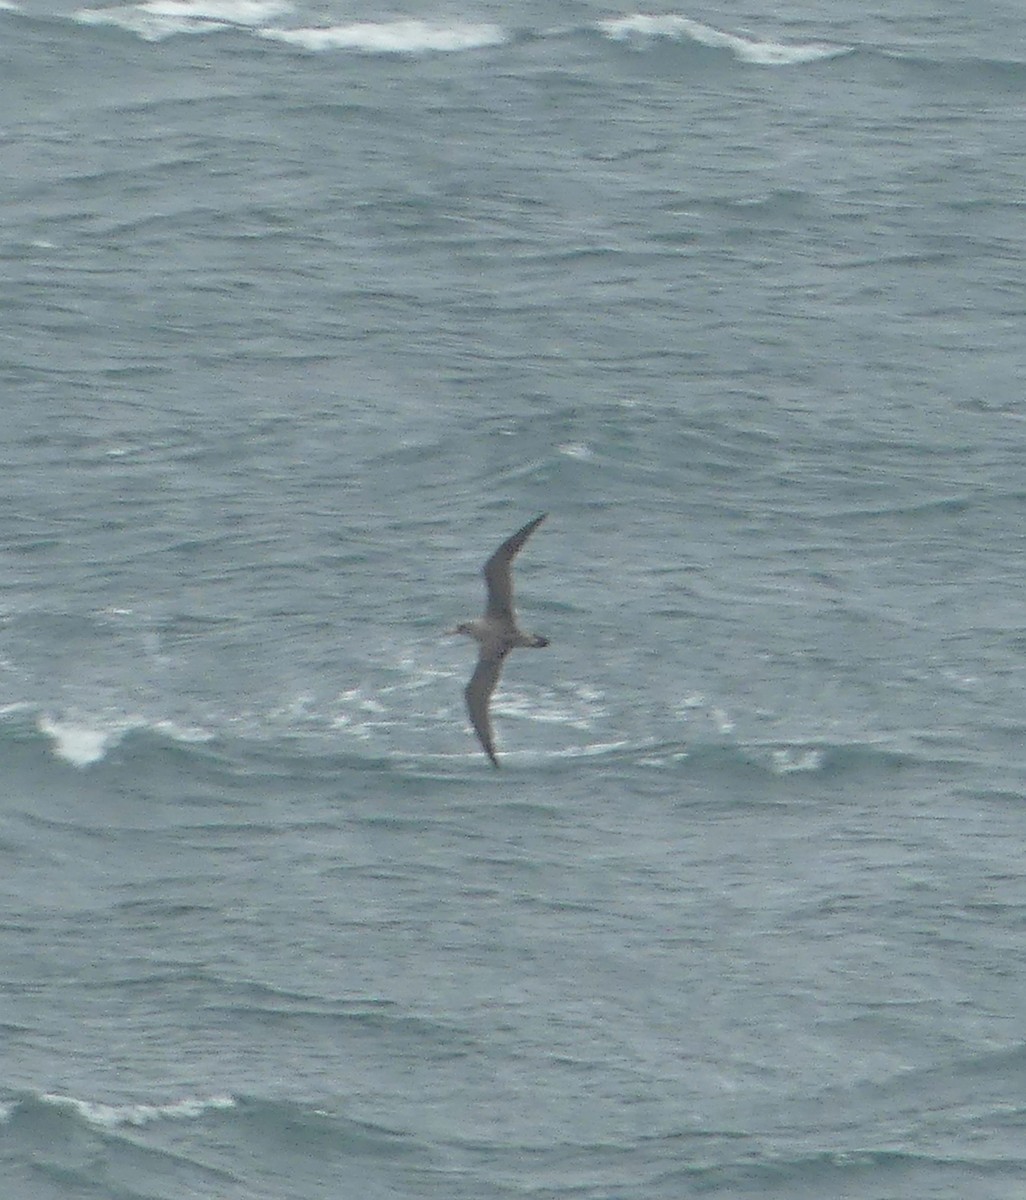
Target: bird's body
[{"x": 496, "y": 634}]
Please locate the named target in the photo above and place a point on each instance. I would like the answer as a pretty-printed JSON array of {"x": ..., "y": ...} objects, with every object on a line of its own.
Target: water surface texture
[{"x": 304, "y": 308}]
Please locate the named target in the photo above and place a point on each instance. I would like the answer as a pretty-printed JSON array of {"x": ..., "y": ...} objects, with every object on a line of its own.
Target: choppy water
[{"x": 304, "y": 309}]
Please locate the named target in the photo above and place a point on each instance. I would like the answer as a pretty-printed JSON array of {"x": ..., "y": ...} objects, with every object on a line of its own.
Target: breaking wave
[{"x": 154, "y": 20}]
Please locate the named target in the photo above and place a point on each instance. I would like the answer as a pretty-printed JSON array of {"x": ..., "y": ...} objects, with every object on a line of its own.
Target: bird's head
[{"x": 463, "y": 628}]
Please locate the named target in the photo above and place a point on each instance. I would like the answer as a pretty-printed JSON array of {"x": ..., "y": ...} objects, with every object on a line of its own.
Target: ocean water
[{"x": 304, "y": 308}]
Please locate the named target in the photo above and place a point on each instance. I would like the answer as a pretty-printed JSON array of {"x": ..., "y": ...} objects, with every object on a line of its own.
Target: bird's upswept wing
[{"x": 498, "y": 575}]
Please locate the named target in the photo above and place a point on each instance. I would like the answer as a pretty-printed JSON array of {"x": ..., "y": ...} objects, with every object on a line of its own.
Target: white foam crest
[
  {"x": 229, "y": 12},
  {"x": 593, "y": 749},
  {"x": 110, "y": 1116},
  {"x": 148, "y": 25},
  {"x": 791, "y": 760},
  {"x": 81, "y": 745},
  {"x": 643, "y": 28},
  {"x": 392, "y": 37},
  {"x": 154, "y": 20},
  {"x": 578, "y": 707},
  {"x": 85, "y": 742},
  {"x": 189, "y": 735}
]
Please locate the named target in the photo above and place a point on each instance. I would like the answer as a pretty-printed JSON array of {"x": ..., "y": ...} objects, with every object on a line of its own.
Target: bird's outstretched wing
[
  {"x": 498, "y": 575},
  {"x": 479, "y": 693}
]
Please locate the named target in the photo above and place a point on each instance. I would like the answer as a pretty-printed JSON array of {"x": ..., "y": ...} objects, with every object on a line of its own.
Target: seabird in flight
[{"x": 497, "y": 633}]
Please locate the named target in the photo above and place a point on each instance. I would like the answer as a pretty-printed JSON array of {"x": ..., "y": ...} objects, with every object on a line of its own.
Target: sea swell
[
  {"x": 202, "y": 1141},
  {"x": 37, "y": 743},
  {"x": 71, "y": 1145},
  {"x": 279, "y": 23}
]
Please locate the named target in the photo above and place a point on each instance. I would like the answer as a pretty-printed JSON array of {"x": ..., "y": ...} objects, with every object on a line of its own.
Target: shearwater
[{"x": 497, "y": 633}]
